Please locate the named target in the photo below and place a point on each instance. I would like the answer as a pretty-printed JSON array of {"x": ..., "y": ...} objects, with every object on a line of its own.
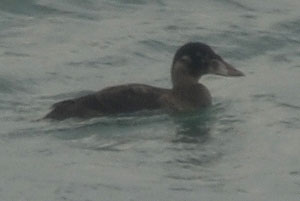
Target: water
[{"x": 245, "y": 147}]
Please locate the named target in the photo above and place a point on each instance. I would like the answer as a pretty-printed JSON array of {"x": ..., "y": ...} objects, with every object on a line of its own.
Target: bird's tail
[{"x": 61, "y": 110}]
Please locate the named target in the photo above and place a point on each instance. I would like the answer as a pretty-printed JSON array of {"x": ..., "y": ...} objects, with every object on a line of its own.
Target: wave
[
  {"x": 8, "y": 85},
  {"x": 33, "y": 8}
]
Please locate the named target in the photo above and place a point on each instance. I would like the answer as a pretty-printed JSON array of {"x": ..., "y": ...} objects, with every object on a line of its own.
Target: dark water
[{"x": 245, "y": 147}]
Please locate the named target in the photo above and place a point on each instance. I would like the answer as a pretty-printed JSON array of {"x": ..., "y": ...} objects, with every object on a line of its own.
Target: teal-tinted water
[{"x": 245, "y": 147}]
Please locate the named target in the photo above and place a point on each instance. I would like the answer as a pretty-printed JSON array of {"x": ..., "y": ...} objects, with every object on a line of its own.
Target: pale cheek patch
[{"x": 186, "y": 59}]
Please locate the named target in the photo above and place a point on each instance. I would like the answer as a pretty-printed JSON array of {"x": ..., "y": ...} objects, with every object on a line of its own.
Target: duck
[{"x": 190, "y": 62}]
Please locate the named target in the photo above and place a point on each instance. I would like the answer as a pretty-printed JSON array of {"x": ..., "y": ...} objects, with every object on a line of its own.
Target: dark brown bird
[{"x": 190, "y": 62}]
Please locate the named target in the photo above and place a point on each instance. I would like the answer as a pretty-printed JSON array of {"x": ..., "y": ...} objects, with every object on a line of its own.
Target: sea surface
[{"x": 246, "y": 147}]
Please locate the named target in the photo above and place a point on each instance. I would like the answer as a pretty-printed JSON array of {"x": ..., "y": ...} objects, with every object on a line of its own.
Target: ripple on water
[
  {"x": 265, "y": 97},
  {"x": 6, "y": 86},
  {"x": 26, "y": 7},
  {"x": 236, "y": 4},
  {"x": 291, "y": 123},
  {"x": 10, "y": 85},
  {"x": 111, "y": 61},
  {"x": 283, "y": 58},
  {"x": 139, "y": 2},
  {"x": 34, "y": 8},
  {"x": 257, "y": 44},
  {"x": 292, "y": 26},
  {"x": 290, "y": 106},
  {"x": 109, "y": 126},
  {"x": 295, "y": 173},
  {"x": 16, "y": 54},
  {"x": 157, "y": 45}
]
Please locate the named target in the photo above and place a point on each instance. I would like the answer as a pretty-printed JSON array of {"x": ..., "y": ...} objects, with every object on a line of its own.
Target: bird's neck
[
  {"x": 183, "y": 82},
  {"x": 186, "y": 87},
  {"x": 192, "y": 94},
  {"x": 181, "y": 78}
]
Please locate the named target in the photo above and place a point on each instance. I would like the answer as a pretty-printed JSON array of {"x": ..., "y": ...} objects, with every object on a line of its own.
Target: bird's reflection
[
  {"x": 193, "y": 127},
  {"x": 193, "y": 145}
]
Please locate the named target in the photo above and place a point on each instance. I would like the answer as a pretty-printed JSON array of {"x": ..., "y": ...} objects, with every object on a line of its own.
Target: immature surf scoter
[{"x": 190, "y": 62}]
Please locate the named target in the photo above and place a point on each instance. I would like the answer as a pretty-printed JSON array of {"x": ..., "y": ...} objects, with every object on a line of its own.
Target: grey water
[{"x": 245, "y": 147}]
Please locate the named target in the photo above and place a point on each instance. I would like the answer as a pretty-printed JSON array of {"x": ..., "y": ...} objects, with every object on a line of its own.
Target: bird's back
[{"x": 111, "y": 100}]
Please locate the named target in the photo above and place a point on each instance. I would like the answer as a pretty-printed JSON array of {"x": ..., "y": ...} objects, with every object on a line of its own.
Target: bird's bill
[{"x": 220, "y": 67}]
